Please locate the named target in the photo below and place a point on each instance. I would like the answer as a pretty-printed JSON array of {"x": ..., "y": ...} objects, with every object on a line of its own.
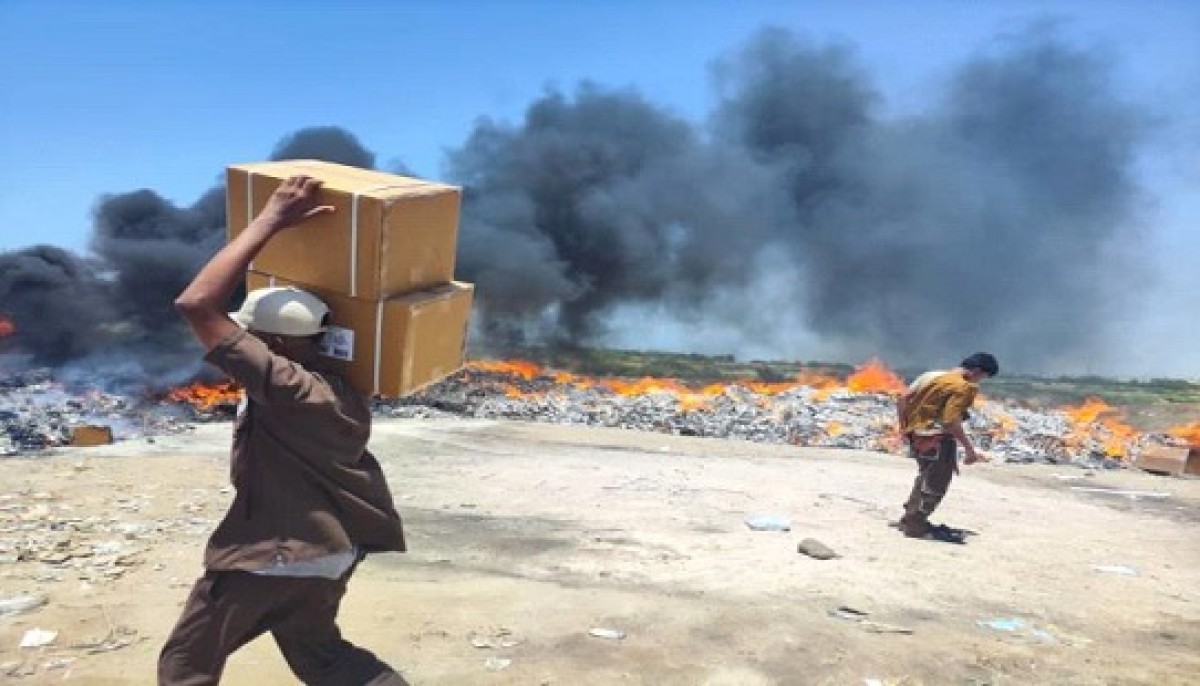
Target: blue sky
[{"x": 108, "y": 97}]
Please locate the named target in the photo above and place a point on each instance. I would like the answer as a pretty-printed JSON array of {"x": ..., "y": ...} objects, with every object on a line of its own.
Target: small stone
[
  {"x": 816, "y": 549},
  {"x": 128, "y": 560}
]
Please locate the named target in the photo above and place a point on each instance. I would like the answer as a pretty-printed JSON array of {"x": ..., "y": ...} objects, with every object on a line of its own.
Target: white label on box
[{"x": 338, "y": 343}]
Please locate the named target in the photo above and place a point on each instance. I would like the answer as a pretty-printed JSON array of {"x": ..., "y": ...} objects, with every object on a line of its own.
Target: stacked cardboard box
[{"x": 383, "y": 261}]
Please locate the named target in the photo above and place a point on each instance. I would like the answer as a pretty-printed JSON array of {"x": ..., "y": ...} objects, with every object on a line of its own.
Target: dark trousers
[
  {"x": 933, "y": 480},
  {"x": 226, "y": 610}
]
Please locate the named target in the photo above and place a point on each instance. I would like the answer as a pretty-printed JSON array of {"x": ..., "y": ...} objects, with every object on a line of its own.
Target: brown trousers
[
  {"x": 226, "y": 610},
  {"x": 933, "y": 480}
]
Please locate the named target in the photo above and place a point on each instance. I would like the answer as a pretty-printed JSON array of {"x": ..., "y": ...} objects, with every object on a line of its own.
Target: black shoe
[
  {"x": 952, "y": 530},
  {"x": 943, "y": 535}
]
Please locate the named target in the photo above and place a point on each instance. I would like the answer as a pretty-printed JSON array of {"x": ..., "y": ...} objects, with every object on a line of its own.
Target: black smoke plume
[
  {"x": 57, "y": 303},
  {"x": 999, "y": 219},
  {"x": 110, "y": 320},
  {"x": 1003, "y": 217},
  {"x": 152, "y": 248},
  {"x": 328, "y": 143}
]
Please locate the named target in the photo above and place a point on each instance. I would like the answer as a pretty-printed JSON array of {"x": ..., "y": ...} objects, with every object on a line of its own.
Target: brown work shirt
[
  {"x": 306, "y": 485},
  {"x": 937, "y": 401}
]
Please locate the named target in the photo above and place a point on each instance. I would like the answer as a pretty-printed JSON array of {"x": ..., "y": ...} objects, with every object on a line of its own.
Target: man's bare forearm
[{"x": 956, "y": 430}]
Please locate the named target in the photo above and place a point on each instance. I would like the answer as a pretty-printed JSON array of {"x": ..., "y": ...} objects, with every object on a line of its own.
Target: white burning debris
[
  {"x": 38, "y": 413},
  {"x": 859, "y": 413}
]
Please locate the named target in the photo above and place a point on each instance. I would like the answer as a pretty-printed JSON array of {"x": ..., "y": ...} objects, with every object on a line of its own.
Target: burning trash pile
[
  {"x": 38, "y": 412},
  {"x": 813, "y": 409},
  {"x": 858, "y": 412}
]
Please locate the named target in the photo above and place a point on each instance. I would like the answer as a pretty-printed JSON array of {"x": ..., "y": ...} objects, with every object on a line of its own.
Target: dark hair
[{"x": 985, "y": 362}]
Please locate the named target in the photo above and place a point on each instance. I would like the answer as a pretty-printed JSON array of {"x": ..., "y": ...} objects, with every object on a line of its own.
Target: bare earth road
[{"x": 525, "y": 537}]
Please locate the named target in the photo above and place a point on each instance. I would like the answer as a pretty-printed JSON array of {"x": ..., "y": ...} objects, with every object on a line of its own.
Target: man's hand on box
[{"x": 292, "y": 203}]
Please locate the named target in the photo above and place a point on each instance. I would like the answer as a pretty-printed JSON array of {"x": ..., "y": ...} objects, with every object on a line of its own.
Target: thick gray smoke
[
  {"x": 329, "y": 143},
  {"x": 798, "y": 216},
  {"x": 56, "y": 302},
  {"x": 152, "y": 248},
  {"x": 999, "y": 219},
  {"x": 601, "y": 202},
  {"x": 110, "y": 320}
]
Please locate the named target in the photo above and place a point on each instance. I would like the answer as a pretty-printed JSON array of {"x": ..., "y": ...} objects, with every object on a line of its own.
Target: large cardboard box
[
  {"x": 395, "y": 346},
  {"x": 88, "y": 435},
  {"x": 389, "y": 234},
  {"x": 1176, "y": 461}
]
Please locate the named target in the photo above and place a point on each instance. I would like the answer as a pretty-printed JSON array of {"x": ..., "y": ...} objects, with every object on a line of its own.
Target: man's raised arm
[{"x": 205, "y": 301}]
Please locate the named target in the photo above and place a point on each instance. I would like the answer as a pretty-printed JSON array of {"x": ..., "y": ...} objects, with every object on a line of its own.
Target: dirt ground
[{"x": 526, "y": 537}]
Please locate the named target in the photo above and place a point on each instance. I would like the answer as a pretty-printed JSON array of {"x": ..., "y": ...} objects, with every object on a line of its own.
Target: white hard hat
[{"x": 283, "y": 310}]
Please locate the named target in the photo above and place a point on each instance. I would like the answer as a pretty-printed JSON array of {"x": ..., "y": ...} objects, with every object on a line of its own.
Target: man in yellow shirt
[{"x": 931, "y": 413}]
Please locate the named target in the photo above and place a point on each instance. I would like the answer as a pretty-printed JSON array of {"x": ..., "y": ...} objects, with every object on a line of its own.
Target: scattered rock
[
  {"x": 847, "y": 612},
  {"x": 816, "y": 549}
]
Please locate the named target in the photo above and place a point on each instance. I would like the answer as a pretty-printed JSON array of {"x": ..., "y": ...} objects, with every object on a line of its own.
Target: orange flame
[
  {"x": 1005, "y": 424},
  {"x": 818, "y": 381},
  {"x": 1093, "y": 412},
  {"x": 1189, "y": 433},
  {"x": 1089, "y": 411},
  {"x": 1093, "y": 422},
  {"x": 872, "y": 377},
  {"x": 525, "y": 370},
  {"x": 645, "y": 385},
  {"x": 693, "y": 401},
  {"x": 206, "y": 396},
  {"x": 7, "y": 328},
  {"x": 566, "y": 378},
  {"x": 875, "y": 377}
]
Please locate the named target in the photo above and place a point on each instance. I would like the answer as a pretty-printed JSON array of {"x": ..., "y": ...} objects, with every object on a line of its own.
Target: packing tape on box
[
  {"x": 354, "y": 244},
  {"x": 378, "y": 341},
  {"x": 353, "y": 222}
]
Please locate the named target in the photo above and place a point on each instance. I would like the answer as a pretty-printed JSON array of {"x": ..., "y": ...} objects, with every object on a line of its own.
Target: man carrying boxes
[
  {"x": 383, "y": 261},
  {"x": 310, "y": 499}
]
